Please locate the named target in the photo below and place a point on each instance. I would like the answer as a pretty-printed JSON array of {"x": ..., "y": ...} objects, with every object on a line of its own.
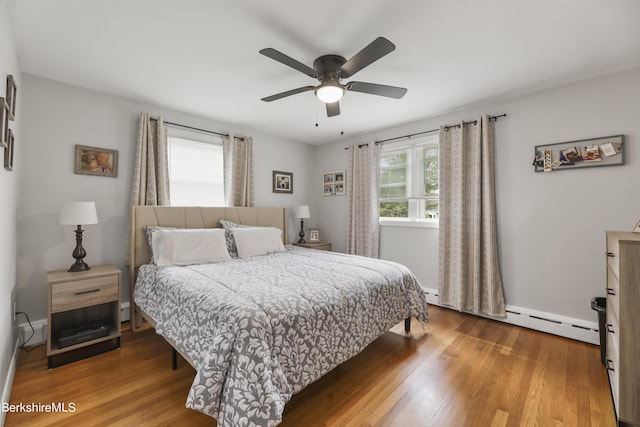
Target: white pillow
[
  {"x": 257, "y": 241},
  {"x": 186, "y": 247}
]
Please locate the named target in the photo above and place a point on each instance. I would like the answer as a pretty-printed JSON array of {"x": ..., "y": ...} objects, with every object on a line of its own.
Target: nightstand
[
  {"x": 83, "y": 313},
  {"x": 315, "y": 245}
]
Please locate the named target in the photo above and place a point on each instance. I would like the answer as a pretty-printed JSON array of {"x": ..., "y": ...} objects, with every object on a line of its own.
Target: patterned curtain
[
  {"x": 469, "y": 272},
  {"x": 151, "y": 173},
  {"x": 238, "y": 171},
  {"x": 363, "y": 230}
]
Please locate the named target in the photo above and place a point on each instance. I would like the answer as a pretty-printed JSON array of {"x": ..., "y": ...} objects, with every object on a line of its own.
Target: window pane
[
  {"x": 431, "y": 209},
  {"x": 394, "y": 209},
  {"x": 196, "y": 176},
  {"x": 393, "y": 174},
  {"x": 430, "y": 162}
]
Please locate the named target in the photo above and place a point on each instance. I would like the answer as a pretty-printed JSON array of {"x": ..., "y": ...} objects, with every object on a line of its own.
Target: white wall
[
  {"x": 550, "y": 225},
  {"x": 9, "y": 183},
  {"x": 58, "y": 116}
]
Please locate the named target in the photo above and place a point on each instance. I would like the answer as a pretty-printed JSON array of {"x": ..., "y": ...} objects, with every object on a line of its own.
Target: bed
[{"x": 258, "y": 329}]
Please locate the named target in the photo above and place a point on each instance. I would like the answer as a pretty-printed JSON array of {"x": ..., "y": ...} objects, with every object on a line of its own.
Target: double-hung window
[
  {"x": 409, "y": 182},
  {"x": 196, "y": 171}
]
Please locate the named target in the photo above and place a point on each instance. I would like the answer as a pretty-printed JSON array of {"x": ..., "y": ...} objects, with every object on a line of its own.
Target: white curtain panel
[
  {"x": 238, "y": 171},
  {"x": 151, "y": 172},
  {"x": 363, "y": 179},
  {"x": 469, "y": 271}
]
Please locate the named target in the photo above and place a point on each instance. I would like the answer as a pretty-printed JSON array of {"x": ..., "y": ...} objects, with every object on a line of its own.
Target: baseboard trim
[
  {"x": 551, "y": 323},
  {"x": 555, "y": 324},
  {"x": 125, "y": 314},
  {"x": 8, "y": 383},
  {"x": 39, "y": 333}
]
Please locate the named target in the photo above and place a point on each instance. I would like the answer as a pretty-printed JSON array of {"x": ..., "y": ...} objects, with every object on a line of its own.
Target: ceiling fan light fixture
[{"x": 329, "y": 93}]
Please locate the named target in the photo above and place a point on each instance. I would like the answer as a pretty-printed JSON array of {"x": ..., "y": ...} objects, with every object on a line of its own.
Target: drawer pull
[
  {"x": 610, "y": 254},
  {"x": 88, "y": 292},
  {"x": 611, "y": 291},
  {"x": 610, "y": 328},
  {"x": 610, "y": 365}
]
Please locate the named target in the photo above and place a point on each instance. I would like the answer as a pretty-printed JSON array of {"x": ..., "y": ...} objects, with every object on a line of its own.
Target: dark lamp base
[
  {"x": 79, "y": 253},
  {"x": 79, "y": 266},
  {"x": 301, "y": 234}
]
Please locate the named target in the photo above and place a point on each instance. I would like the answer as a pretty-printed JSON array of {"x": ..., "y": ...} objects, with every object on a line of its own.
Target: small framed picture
[
  {"x": 314, "y": 235},
  {"x": 96, "y": 161},
  {"x": 4, "y": 124},
  {"x": 11, "y": 96},
  {"x": 282, "y": 182},
  {"x": 636, "y": 229},
  {"x": 333, "y": 183},
  {"x": 8, "y": 151}
]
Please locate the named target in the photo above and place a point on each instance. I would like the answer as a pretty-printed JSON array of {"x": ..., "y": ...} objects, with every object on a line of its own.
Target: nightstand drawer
[
  {"x": 83, "y": 293},
  {"x": 322, "y": 246}
]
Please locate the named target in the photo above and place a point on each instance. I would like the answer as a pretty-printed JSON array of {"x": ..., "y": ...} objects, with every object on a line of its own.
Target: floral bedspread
[{"x": 263, "y": 328}]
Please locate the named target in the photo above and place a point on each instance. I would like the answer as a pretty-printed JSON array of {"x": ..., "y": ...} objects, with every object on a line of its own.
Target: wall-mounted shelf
[{"x": 583, "y": 153}]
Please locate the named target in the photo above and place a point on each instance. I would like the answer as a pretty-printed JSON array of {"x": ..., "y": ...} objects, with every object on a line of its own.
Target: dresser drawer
[
  {"x": 613, "y": 365},
  {"x": 83, "y": 293},
  {"x": 613, "y": 256},
  {"x": 613, "y": 306},
  {"x": 613, "y": 337}
]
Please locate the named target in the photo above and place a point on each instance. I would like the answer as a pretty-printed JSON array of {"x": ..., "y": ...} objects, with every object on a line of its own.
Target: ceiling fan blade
[
  {"x": 287, "y": 60},
  {"x": 288, "y": 93},
  {"x": 333, "y": 109},
  {"x": 371, "y": 53},
  {"x": 376, "y": 89}
]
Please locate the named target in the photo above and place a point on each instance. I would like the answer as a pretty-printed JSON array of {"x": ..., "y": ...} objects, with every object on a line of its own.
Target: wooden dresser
[{"x": 623, "y": 324}]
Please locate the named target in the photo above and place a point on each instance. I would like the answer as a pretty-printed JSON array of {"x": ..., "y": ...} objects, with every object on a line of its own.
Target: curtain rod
[
  {"x": 446, "y": 128},
  {"x": 194, "y": 128}
]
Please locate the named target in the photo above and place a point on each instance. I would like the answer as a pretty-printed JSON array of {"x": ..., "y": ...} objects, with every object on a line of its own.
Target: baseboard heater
[{"x": 540, "y": 321}]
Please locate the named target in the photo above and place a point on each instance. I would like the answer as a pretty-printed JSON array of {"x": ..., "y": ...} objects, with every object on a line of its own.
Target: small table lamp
[
  {"x": 79, "y": 213},
  {"x": 302, "y": 212}
]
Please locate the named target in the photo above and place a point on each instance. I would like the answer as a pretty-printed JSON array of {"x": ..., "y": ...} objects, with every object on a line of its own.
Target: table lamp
[
  {"x": 302, "y": 212},
  {"x": 79, "y": 213}
]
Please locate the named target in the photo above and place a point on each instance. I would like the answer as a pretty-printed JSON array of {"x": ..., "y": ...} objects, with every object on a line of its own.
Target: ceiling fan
[{"x": 330, "y": 69}]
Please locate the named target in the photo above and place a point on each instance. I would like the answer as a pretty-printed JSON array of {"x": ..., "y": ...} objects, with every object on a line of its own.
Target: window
[
  {"x": 409, "y": 181},
  {"x": 196, "y": 171}
]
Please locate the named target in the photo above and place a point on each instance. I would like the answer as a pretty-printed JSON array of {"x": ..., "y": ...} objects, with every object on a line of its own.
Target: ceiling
[{"x": 201, "y": 56}]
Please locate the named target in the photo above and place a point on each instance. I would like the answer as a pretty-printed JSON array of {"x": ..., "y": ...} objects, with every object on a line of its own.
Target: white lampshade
[
  {"x": 302, "y": 212},
  {"x": 78, "y": 213},
  {"x": 329, "y": 93}
]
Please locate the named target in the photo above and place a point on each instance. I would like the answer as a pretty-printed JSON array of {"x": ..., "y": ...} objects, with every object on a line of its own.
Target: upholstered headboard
[{"x": 190, "y": 217}]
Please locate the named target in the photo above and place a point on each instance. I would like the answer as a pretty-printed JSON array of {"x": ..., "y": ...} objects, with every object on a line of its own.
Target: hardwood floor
[{"x": 459, "y": 370}]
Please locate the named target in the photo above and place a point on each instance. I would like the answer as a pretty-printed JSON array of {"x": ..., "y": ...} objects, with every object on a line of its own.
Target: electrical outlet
[{"x": 15, "y": 310}]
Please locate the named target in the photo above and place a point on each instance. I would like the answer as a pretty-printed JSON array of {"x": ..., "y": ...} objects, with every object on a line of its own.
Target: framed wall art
[
  {"x": 4, "y": 124},
  {"x": 96, "y": 161},
  {"x": 282, "y": 182},
  {"x": 334, "y": 183},
  {"x": 8, "y": 151},
  {"x": 11, "y": 96},
  {"x": 583, "y": 153}
]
